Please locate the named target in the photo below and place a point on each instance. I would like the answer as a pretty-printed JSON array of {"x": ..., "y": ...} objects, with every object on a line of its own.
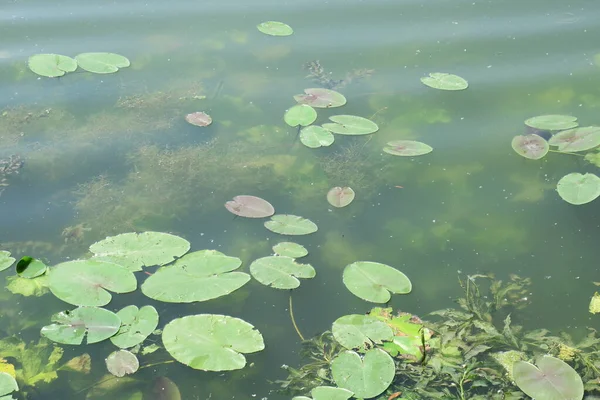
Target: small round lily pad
[
  {"x": 577, "y": 189},
  {"x": 121, "y": 363},
  {"x": 340, "y": 196},
  {"x": 300, "y": 114},
  {"x": 275, "y": 28},
  {"x": 316, "y": 136},
  {"x": 444, "y": 81},
  {"x": 321, "y": 98},
  {"x": 287, "y": 224}
]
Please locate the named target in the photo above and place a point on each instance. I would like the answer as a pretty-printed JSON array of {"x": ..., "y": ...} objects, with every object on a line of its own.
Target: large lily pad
[
  {"x": 316, "y": 136},
  {"x": 29, "y": 267},
  {"x": 326, "y": 393},
  {"x": 137, "y": 250},
  {"x": 290, "y": 249},
  {"x": 280, "y": 272},
  {"x": 444, "y": 81},
  {"x": 102, "y": 63},
  {"x": 287, "y": 224},
  {"x": 8, "y": 384},
  {"x": 136, "y": 325},
  {"x": 6, "y": 260},
  {"x": 552, "y": 379},
  {"x": 577, "y": 139},
  {"x": 350, "y": 125},
  {"x": 321, "y": 98},
  {"x": 531, "y": 146},
  {"x": 275, "y": 28},
  {"x": 121, "y": 363},
  {"x": 372, "y": 281},
  {"x": 51, "y": 65},
  {"x": 407, "y": 148},
  {"x": 300, "y": 114},
  {"x": 211, "y": 342},
  {"x": 576, "y": 188},
  {"x": 552, "y": 122},
  {"x": 368, "y": 376},
  {"x": 250, "y": 207},
  {"x": 89, "y": 324},
  {"x": 340, "y": 196},
  {"x": 359, "y": 331},
  {"x": 198, "y": 276}
]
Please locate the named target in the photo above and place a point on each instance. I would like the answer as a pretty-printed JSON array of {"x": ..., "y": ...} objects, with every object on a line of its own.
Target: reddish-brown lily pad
[
  {"x": 250, "y": 207},
  {"x": 577, "y": 139},
  {"x": 321, "y": 98},
  {"x": 199, "y": 118},
  {"x": 340, "y": 196},
  {"x": 531, "y": 146}
]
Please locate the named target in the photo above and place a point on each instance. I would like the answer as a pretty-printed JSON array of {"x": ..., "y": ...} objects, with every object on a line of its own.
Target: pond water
[{"x": 108, "y": 154}]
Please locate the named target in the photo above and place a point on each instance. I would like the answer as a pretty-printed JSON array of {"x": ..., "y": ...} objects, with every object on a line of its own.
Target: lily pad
[
  {"x": 578, "y": 189},
  {"x": 280, "y": 272},
  {"x": 350, "y": 125},
  {"x": 8, "y": 384},
  {"x": 368, "y": 376},
  {"x": 275, "y": 28},
  {"x": 327, "y": 393},
  {"x": 552, "y": 122},
  {"x": 360, "y": 331},
  {"x": 316, "y": 136},
  {"x": 287, "y": 224},
  {"x": 163, "y": 389},
  {"x": 89, "y": 324},
  {"x": 121, "y": 363},
  {"x": 198, "y": 276},
  {"x": 199, "y": 119},
  {"x": 300, "y": 114},
  {"x": 137, "y": 250},
  {"x": 51, "y": 65},
  {"x": 321, "y": 98},
  {"x": 444, "y": 81},
  {"x": 532, "y": 146},
  {"x": 86, "y": 282},
  {"x": 6, "y": 260},
  {"x": 102, "y": 63},
  {"x": 29, "y": 267},
  {"x": 372, "y": 281},
  {"x": 290, "y": 249},
  {"x": 250, "y": 207},
  {"x": 408, "y": 148},
  {"x": 595, "y": 303},
  {"x": 136, "y": 325},
  {"x": 577, "y": 139},
  {"x": 552, "y": 379},
  {"x": 211, "y": 342},
  {"x": 340, "y": 196}
]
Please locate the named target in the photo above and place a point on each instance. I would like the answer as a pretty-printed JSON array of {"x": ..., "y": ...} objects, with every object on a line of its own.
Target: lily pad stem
[
  {"x": 293, "y": 320},
  {"x": 566, "y": 152}
]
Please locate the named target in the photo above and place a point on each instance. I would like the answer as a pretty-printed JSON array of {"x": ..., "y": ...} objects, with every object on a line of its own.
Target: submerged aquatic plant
[{"x": 317, "y": 74}]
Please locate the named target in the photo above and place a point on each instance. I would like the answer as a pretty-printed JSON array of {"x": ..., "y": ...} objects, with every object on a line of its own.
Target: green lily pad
[
  {"x": 89, "y": 324},
  {"x": 290, "y": 249},
  {"x": 350, "y": 125},
  {"x": 136, "y": 325},
  {"x": 121, "y": 363},
  {"x": 366, "y": 377},
  {"x": 408, "y": 148},
  {"x": 578, "y": 189},
  {"x": 340, "y": 196},
  {"x": 6, "y": 260},
  {"x": 577, "y": 139},
  {"x": 360, "y": 331},
  {"x": 86, "y": 282},
  {"x": 321, "y": 98},
  {"x": 372, "y": 281},
  {"x": 300, "y": 114},
  {"x": 532, "y": 146},
  {"x": 275, "y": 28},
  {"x": 327, "y": 393},
  {"x": 280, "y": 272},
  {"x": 316, "y": 136},
  {"x": 51, "y": 65},
  {"x": 198, "y": 276},
  {"x": 8, "y": 384},
  {"x": 102, "y": 63},
  {"x": 444, "y": 81},
  {"x": 28, "y": 287},
  {"x": 136, "y": 250},
  {"x": 29, "y": 267},
  {"x": 552, "y": 122},
  {"x": 595, "y": 303},
  {"x": 211, "y": 342},
  {"x": 552, "y": 379},
  {"x": 287, "y": 224}
]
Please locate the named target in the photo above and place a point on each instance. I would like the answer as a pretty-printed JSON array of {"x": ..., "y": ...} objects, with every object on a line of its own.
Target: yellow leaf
[
  {"x": 595, "y": 304},
  {"x": 8, "y": 368}
]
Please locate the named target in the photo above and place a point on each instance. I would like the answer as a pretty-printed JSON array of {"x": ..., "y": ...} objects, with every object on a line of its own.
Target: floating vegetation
[
  {"x": 280, "y": 272},
  {"x": 300, "y": 115},
  {"x": 551, "y": 378},
  {"x": 531, "y": 146},
  {"x": 275, "y": 28},
  {"x": 250, "y": 207},
  {"x": 6, "y": 261},
  {"x": 56, "y": 65},
  {"x": 576, "y": 139},
  {"x": 321, "y": 98},
  {"x": 121, "y": 363},
  {"x": 552, "y": 122},
  {"x": 317, "y": 74},
  {"x": 316, "y": 136},
  {"x": 375, "y": 282},
  {"x": 9, "y": 166},
  {"x": 340, "y": 196},
  {"x": 350, "y": 125},
  {"x": 407, "y": 148},
  {"x": 444, "y": 81},
  {"x": 577, "y": 189},
  {"x": 286, "y": 224},
  {"x": 101, "y": 63},
  {"x": 199, "y": 118},
  {"x": 290, "y": 249}
]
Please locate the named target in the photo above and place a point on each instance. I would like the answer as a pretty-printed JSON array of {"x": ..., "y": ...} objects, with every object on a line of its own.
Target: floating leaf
[
  {"x": 372, "y": 281},
  {"x": 300, "y": 114},
  {"x": 444, "y": 81},
  {"x": 595, "y": 303},
  {"x": 91, "y": 324},
  {"x": 51, "y": 65},
  {"x": 137, "y": 250},
  {"x": 121, "y": 363},
  {"x": 321, "y": 98},
  {"x": 327, "y": 393},
  {"x": 211, "y": 342},
  {"x": 102, "y": 63},
  {"x": 577, "y": 139},
  {"x": 136, "y": 325},
  {"x": 531, "y": 146},
  {"x": 577, "y": 189},
  {"x": 28, "y": 287},
  {"x": 287, "y": 224},
  {"x": 275, "y": 28},
  {"x": 29, "y": 267},
  {"x": 340, "y": 196},
  {"x": 5, "y": 260},
  {"x": 351, "y": 125},
  {"x": 280, "y": 272},
  {"x": 8, "y": 384},
  {"x": 407, "y": 148},
  {"x": 199, "y": 118},
  {"x": 250, "y": 207},
  {"x": 85, "y": 282},
  {"x": 163, "y": 389},
  {"x": 552, "y": 122},
  {"x": 290, "y": 249},
  {"x": 198, "y": 276},
  {"x": 359, "y": 331},
  {"x": 316, "y": 136},
  {"x": 368, "y": 376},
  {"x": 552, "y": 379}
]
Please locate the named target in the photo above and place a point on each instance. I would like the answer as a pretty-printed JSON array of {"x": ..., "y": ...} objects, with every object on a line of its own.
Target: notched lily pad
[
  {"x": 551, "y": 379},
  {"x": 340, "y": 196},
  {"x": 316, "y": 136},
  {"x": 577, "y": 189},
  {"x": 372, "y": 281},
  {"x": 199, "y": 118},
  {"x": 321, "y": 98},
  {"x": 444, "y": 81},
  {"x": 121, "y": 363},
  {"x": 250, "y": 207},
  {"x": 300, "y": 114},
  {"x": 89, "y": 324},
  {"x": 280, "y": 272},
  {"x": 351, "y": 125},
  {"x": 577, "y": 139},
  {"x": 275, "y": 28},
  {"x": 8, "y": 384},
  {"x": 287, "y": 224},
  {"x": 367, "y": 376},
  {"x": 136, "y": 325},
  {"x": 102, "y": 63},
  {"x": 408, "y": 148},
  {"x": 51, "y": 65},
  {"x": 360, "y": 331},
  {"x": 290, "y": 249},
  {"x": 552, "y": 122},
  {"x": 531, "y": 146},
  {"x": 6, "y": 260}
]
